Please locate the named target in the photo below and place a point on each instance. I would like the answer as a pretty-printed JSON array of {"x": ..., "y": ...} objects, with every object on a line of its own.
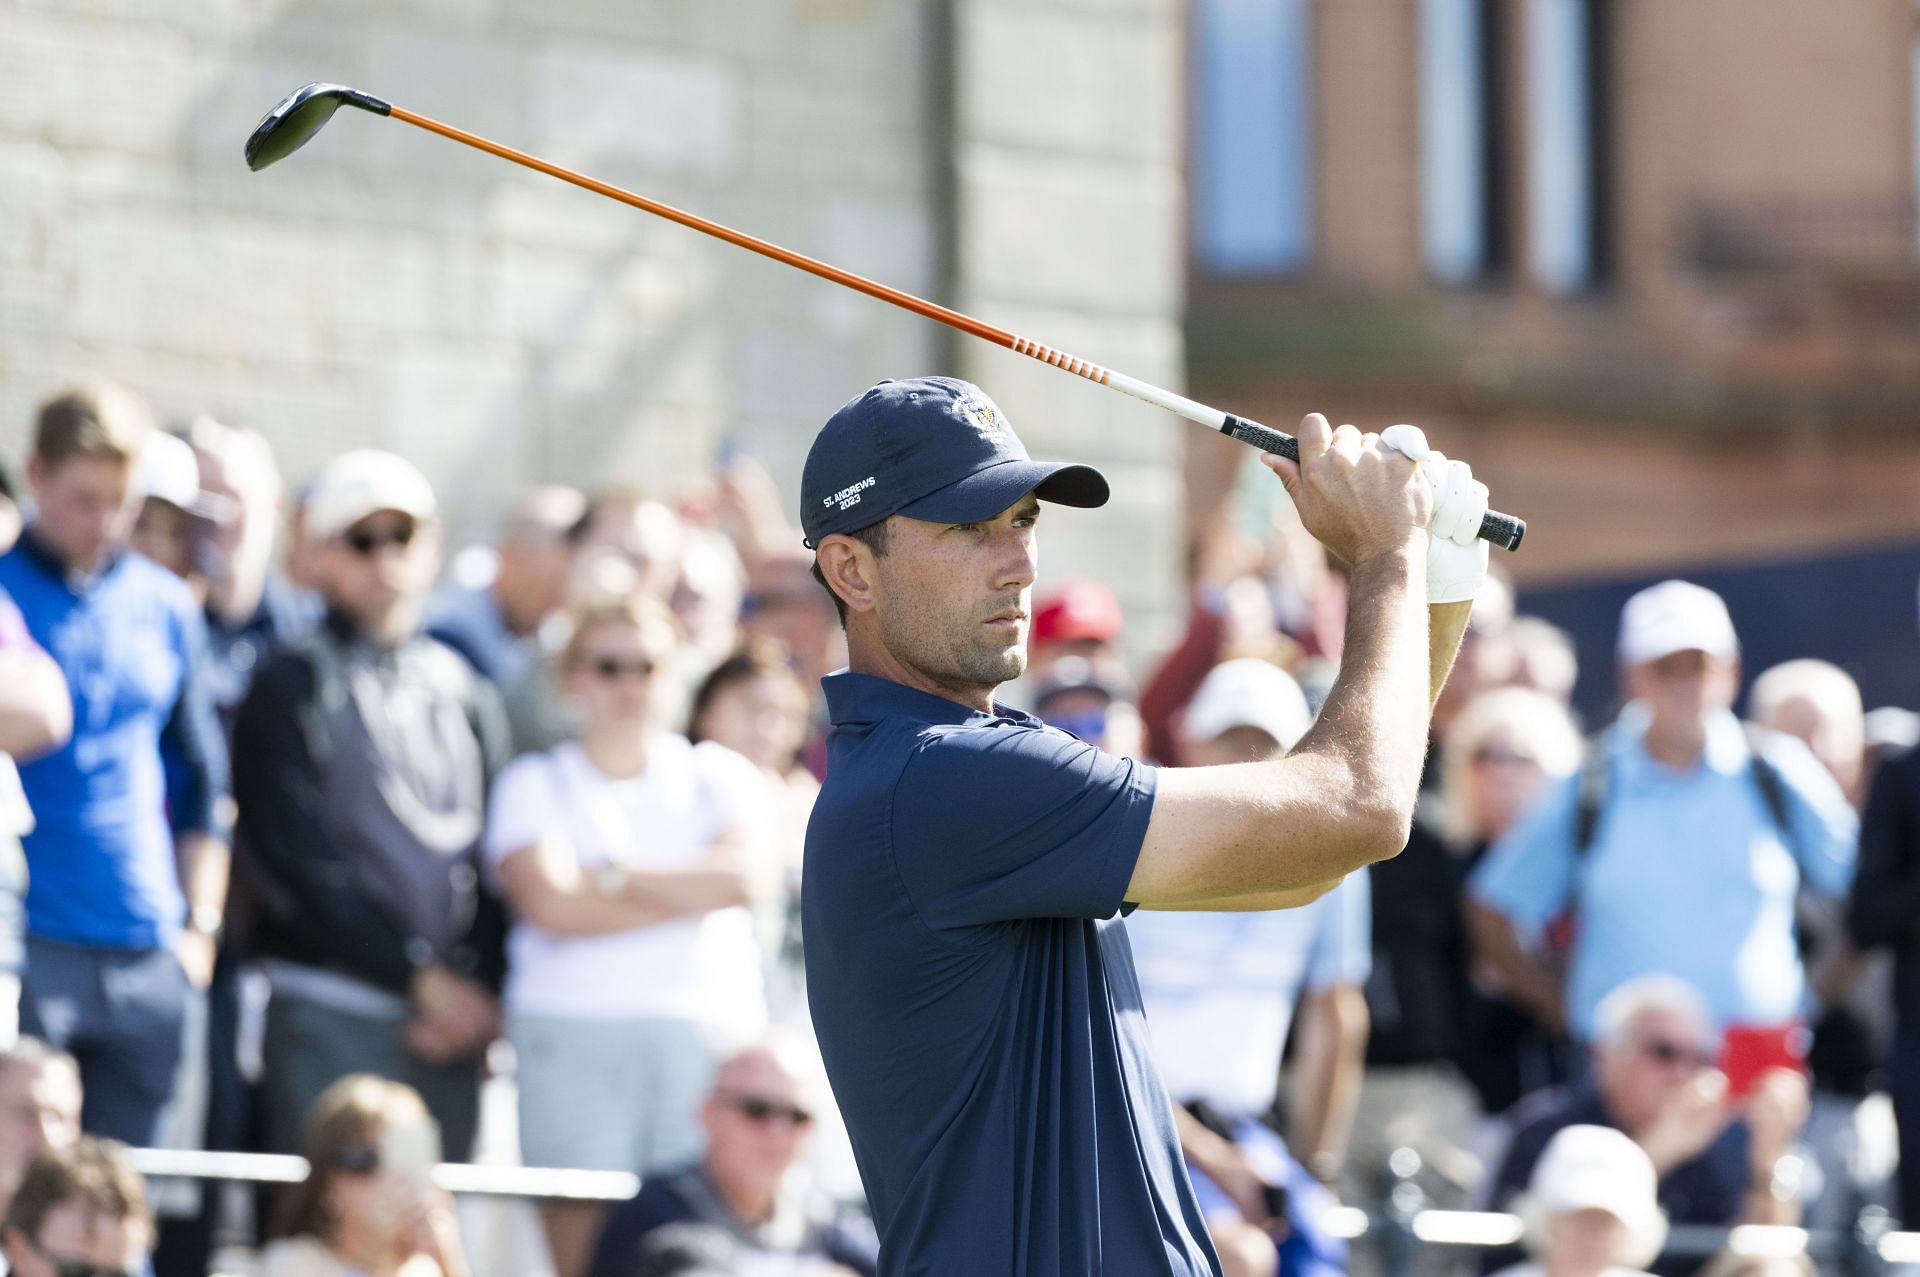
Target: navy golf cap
[{"x": 933, "y": 448}]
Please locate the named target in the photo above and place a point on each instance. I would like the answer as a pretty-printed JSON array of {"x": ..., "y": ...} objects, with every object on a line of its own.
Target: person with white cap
[
  {"x": 365, "y": 754},
  {"x": 1679, "y": 847},
  {"x": 1222, "y": 993},
  {"x": 1590, "y": 1209}
]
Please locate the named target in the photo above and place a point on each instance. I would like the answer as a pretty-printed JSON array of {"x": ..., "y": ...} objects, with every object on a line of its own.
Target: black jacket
[
  {"x": 361, "y": 776},
  {"x": 1884, "y": 908}
]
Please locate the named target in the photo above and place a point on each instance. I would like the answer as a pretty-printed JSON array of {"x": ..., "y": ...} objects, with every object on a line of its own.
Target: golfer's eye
[{"x": 968, "y": 527}]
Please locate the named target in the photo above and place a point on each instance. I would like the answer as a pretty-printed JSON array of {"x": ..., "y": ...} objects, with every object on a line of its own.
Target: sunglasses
[
  {"x": 1487, "y": 755},
  {"x": 366, "y": 544},
  {"x": 357, "y": 1159},
  {"x": 760, "y": 1110},
  {"x": 1088, "y": 725},
  {"x": 611, "y": 668},
  {"x": 78, "y": 1267},
  {"x": 1667, "y": 1051}
]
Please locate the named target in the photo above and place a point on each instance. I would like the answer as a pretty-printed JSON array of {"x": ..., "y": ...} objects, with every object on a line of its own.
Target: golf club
[{"x": 303, "y": 113}]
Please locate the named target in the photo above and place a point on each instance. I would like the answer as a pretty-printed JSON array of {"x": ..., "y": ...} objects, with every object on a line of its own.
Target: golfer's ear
[{"x": 847, "y": 566}]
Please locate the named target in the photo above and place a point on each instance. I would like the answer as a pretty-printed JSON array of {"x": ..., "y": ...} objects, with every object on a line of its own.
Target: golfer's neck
[{"x": 866, "y": 654}]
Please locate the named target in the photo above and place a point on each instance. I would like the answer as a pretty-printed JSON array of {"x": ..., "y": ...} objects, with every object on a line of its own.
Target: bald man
[{"x": 741, "y": 1199}]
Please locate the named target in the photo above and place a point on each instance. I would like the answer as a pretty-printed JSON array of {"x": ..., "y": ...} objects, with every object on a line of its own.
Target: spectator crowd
[{"x": 309, "y": 827}]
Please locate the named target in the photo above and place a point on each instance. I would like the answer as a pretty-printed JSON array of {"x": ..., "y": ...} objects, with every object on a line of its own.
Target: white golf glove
[{"x": 1456, "y": 556}]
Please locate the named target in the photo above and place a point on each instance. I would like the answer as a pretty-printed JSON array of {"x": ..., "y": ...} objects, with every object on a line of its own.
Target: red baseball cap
[{"x": 1078, "y": 609}]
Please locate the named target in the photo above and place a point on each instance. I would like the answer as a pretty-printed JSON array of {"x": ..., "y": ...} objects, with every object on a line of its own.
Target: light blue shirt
[
  {"x": 1220, "y": 988},
  {"x": 1687, "y": 874}
]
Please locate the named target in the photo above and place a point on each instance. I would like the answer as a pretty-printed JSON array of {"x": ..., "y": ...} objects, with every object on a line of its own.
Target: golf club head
[{"x": 299, "y": 116}]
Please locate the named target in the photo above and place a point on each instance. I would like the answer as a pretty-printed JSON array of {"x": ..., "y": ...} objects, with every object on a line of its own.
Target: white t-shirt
[
  {"x": 705, "y": 968},
  {"x": 1220, "y": 988}
]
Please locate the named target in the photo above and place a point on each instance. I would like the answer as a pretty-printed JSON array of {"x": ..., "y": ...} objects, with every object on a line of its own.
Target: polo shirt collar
[
  {"x": 77, "y": 583},
  {"x": 1725, "y": 751},
  {"x": 863, "y": 698}
]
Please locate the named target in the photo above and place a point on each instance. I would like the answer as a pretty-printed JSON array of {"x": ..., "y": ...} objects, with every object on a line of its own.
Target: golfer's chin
[{"x": 997, "y": 663}]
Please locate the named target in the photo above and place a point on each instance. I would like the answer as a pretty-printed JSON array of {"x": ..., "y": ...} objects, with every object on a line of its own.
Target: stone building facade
[{"x": 383, "y": 287}]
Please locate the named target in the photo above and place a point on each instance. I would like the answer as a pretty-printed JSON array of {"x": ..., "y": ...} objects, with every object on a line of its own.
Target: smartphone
[
  {"x": 410, "y": 1151},
  {"x": 1747, "y": 1052}
]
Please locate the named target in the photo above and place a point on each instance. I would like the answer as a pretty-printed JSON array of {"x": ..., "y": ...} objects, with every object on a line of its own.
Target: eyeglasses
[
  {"x": 1667, "y": 1051},
  {"x": 79, "y": 1267},
  {"x": 366, "y": 543},
  {"x": 759, "y": 1109},
  {"x": 357, "y": 1159},
  {"x": 611, "y": 668}
]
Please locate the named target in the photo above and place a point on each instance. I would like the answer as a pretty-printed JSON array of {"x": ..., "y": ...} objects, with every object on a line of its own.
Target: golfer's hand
[
  {"x": 1456, "y": 556},
  {"x": 1359, "y": 498}
]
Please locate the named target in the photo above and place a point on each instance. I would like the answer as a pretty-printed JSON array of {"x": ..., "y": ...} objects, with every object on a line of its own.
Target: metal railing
[
  {"x": 1400, "y": 1232},
  {"x": 529, "y": 1182}
]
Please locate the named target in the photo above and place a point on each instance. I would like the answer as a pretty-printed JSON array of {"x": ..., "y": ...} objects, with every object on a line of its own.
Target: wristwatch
[{"x": 206, "y": 920}]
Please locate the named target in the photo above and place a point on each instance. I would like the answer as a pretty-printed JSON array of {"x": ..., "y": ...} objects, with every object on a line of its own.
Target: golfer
[{"x": 967, "y": 866}]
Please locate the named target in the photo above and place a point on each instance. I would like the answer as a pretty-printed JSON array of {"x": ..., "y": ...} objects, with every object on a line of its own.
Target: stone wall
[
  {"x": 1069, "y": 227},
  {"x": 387, "y": 287}
]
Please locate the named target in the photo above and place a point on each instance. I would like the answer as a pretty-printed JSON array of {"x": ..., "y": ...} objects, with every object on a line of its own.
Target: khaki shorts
[{"x": 612, "y": 1095}]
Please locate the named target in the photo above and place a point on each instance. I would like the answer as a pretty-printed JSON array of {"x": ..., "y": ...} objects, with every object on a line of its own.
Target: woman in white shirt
[{"x": 632, "y": 863}]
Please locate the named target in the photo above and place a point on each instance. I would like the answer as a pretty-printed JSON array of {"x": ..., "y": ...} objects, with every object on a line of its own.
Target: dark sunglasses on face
[
  {"x": 366, "y": 542},
  {"x": 1088, "y": 725},
  {"x": 760, "y": 1110},
  {"x": 1667, "y": 1051},
  {"x": 358, "y": 1159},
  {"x": 1487, "y": 755},
  {"x": 78, "y": 1267},
  {"x": 611, "y": 668}
]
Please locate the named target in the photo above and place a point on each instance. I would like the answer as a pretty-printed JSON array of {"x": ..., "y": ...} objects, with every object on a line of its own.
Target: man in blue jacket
[{"x": 128, "y": 857}]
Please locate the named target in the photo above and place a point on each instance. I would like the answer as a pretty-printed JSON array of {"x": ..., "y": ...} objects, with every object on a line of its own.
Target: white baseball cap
[
  {"x": 1598, "y": 1168},
  {"x": 1248, "y": 693},
  {"x": 1675, "y": 616},
  {"x": 356, "y": 484},
  {"x": 167, "y": 470}
]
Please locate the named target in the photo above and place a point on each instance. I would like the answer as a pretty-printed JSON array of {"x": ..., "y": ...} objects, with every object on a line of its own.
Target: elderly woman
[
  {"x": 368, "y": 1207},
  {"x": 1590, "y": 1209}
]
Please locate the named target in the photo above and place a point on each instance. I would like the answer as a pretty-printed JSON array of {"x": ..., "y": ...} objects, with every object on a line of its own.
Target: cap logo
[
  {"x": 849, "y": 496},
  {"x": 981, "y": 412}
]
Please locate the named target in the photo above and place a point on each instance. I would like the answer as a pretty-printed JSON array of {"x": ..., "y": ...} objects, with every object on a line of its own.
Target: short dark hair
[
  {"x": 93, "y": 1172},
  {"x": 98, "y": 419},
  {"x": 876, "y": 537}
]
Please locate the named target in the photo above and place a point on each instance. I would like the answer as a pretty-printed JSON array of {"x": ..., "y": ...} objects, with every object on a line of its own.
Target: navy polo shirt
[{"x": 974, "y": 995}]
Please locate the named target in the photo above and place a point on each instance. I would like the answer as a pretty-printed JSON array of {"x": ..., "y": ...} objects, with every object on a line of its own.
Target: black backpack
[{"x": 1596, "y": 779}]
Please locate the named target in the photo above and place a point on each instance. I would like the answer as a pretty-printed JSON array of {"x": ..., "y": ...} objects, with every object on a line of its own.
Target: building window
[
  {"x": 1462, "y": 100},
  {"x": 1252, "y": 145},
  {"x": 1566, "y": 164}
]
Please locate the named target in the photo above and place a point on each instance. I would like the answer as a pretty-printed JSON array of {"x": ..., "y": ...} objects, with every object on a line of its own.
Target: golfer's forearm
[
  {"x": 1373, "y": 727},
  {"x": 1446, "y": 627}
]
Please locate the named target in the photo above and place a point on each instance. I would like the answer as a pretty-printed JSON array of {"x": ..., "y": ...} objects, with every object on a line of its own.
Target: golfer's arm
[
  {"x": 1446, "y": 626},
  {"x": 1341, "y": 799}
]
